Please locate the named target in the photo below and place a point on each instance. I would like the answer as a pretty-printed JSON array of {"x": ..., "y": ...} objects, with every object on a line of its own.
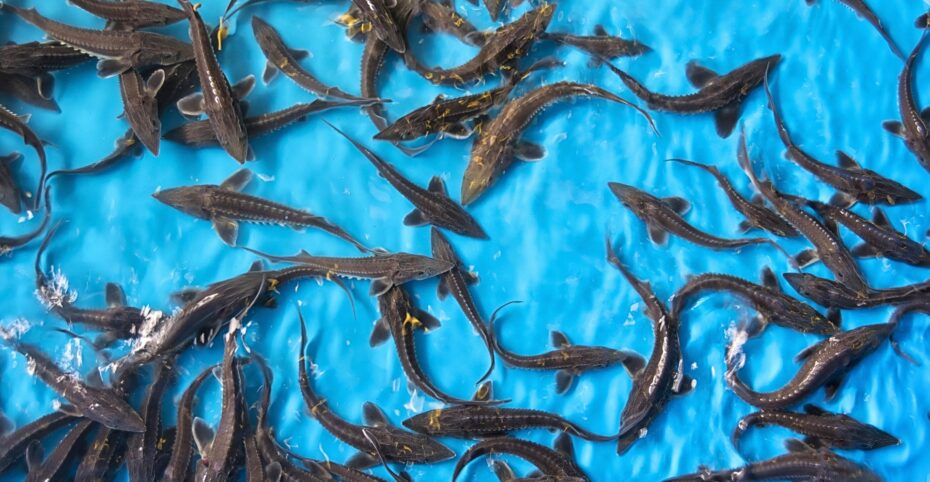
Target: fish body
[
  {"x": 13, "y": 445},
  {"x": 225, "y": 205},
  {"x": 33, "y": 59},
  {"x": 663, "y": 216},
  {"x": 773, "y": 305},
  {"x": 142, "y": 448},
  {"x": 721, "y": 94},
  {"x": 913, "y": 126},
  {"x": 820, "y": 427},
  {"x": 558, "y": 462},
  {"x": 218, "y": 102},
  {"x": 140, "y": 105},
  {"x": 601, "y": 45},
  {"x": 178, "y": 468},
  {"x": 831, "y": 294},
  {"x": 17, "y": 124},
  {"x": 432, "y": 205},
  {"x": 55, "y": 465},
  {"x": 661, "y": 376},
  {"x": 499, "y": 143},
  {"x": 132, "y": 15},
  {"x": 824, "y": 364},
  {"x": 757, "y": 214}
]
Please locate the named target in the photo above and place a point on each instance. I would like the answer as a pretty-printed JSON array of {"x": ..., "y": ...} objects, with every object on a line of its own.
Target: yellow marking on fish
[
  {"x": 316, "y": 408},
  {"x": 366, "y": 28},
  {"x": 412, "y": 321},
  {"x": 221, "y": 33},
  {"x": 195, "y": 6},
  {"x": 273, "y": 284},
  {"x": 433, "y": 419}
]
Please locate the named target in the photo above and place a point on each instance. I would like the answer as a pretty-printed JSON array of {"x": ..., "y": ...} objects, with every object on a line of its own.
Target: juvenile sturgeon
[
  {"x": 824, "y": 364},
  {"x": 602, "y": 46},
  {"x": 127, "y": 146},
  {"x": 831, "y": 294},
  {"x": 10, "y": 243},
  {"x": 37, "y": 59},
  {"x": 559, "y": 461},
  {"x": 456, "y": 281},
  {"x": 96, "y": 403},
  {"x": 132, "y": 15},
  {"x": 225, "y": 205},
  {"x": 478, "y": 421},
  {"x": 400, "y": 319},
  {"x": 431, "y": 205},
  {"x": 569, "y": 360},
  {"x": 913, "y": 127},
  {"x": 828, "y": 247},
  {"x": 386, "y": 270},
  {"x": 117, "y": 50},
  {"x": 663, "y": 216},
  {"x": 217, "y": 101},
  {"x": 199, "y": 133},
  {"x": 142, "y": 448},
  {"x": 881, "y": 239},
  {"x": 221, "y": 452},
  {"x": 451, "y": 116},
  {"x": 505, "y": 474},
  {"x": 820, "y": 427},
  {"x": 383, "y": 24},
  {"x": 756, "y": 213},
  {"x": 501, "y": 50},
  {"x": 13, "y": 445},
  {"x": 286, "y": 60},
  {"x": 662, "y": 376},
  {"x": 499, "y": 141},
  {"x": 721, "y": 94},
  {"x": 55, "y": 465},
  {"x": 854, "y": 182},
  {"x": 117, "y": 320},
  {"x": 773, "y": 305},
  {"x": 393, "y": 442},
  {"x": 17, "y": 124},
  {"x": 140, "y": 106},
  {"x": 32, "y": 91},
  {"x": 863, "y": 10},
  {"x": 441, "y": 17},
  {"x": 802, "y": 463},
  {"x": 178, "y": 469}
]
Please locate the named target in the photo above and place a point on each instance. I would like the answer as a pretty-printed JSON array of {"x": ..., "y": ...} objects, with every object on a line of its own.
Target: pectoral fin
[
  {"x": 115, "y": 296},
  {"x": 769, "y": 280},
  {"x": 437, "y": 186},
  {"x": 154, "y": 82},
  {"x": 427, "y": 321},
  {"x": 894, "y": 127},
  {"x": 745, "y": 227},
  {"x": 528, "y": 151},
  {"x": 563, "y": 444},
  {"x": 244, "y": 87},
  {"x": 110, "y": 67},
  {"x": 34, "y": 455},
  {"x": 415, "y": 218},
  {"x": 227, "y": 229},
  {"x": 846, "y": 162},
  {"x": 362, "y": 461},
  {"x": 563, "y": 381},
  {"x": 380, "y": 333},
  {"x": 380, "y": 286},
  {"x": 191, "y": 106},
  {"x": 726, "y": 118},
  {"x": 843, "y": 200},
  {"x": 270, "y": 72},
  {"x": 203, "y": 435},
  {"x": 678, "y": 204},
  {"x": 832, "y": 387},
  {"x": 657, "y": 234},
  {"x": 634, "y": 364},
  {"x": 880, "y": 219},
  {"x": 45, "y": 85},
  {"x": 865, "y": 250},
  {"x": 443, "y": 289},
  {"x": 273, "y": 472},
  {"x": 559, "y": 340},
  {"x": 806, "y": 258}
]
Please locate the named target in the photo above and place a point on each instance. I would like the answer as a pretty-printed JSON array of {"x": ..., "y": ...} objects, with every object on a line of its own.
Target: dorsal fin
[
  {"x": 437, "y": 186},
  {"x": 94, "y": 380},
  {"x": 237, "y": 181},
  {"x": 880, "y": 219},
  {"x": 115, "y": 297},
  {"x": 600, "y": 31},
  {"x": 699, "y": 75},
  {"x": 846, "y": 162},
  {"x": 256, "y": 266},
  {"x": 203, "y": 435},
  {"x": 559, "y": 340},
  {"x": 484, "y": 392},
  {"x": 154, "y": 82},
  {"x": 34, "y": 455}
]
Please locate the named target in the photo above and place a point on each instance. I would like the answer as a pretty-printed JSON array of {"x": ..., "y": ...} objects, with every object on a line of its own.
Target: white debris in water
[
  {"x": 395, "y": 385},
  {"x": 56, "y": 293},
  {"x": 151, "y": 319},
  {"x": 56, "y": 405},
  {"x": 415, "y": 405},
  {"x": 30, "y": 366},
  {"x": 497, "y": 255},
  {"x": 694, "y": 366},
  {"x": 15, "y": 328},
  {"x": 738, "y": 337},
  {"x": 643, "y": 432},
  {"x": 265, "y": 177},
  {"x": 73, "y": 355}
]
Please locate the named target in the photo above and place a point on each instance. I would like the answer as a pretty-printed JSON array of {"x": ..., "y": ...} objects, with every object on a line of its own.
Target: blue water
[{"x": 547, "y": 222}]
